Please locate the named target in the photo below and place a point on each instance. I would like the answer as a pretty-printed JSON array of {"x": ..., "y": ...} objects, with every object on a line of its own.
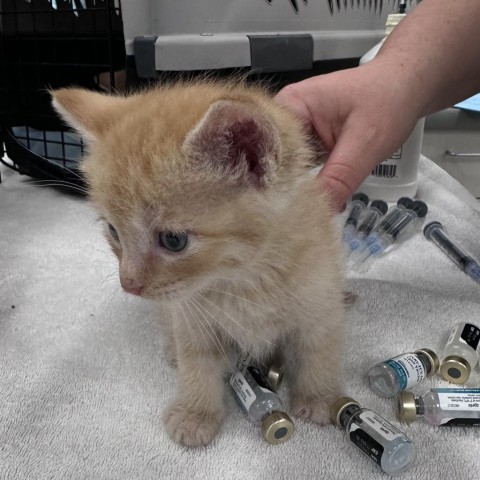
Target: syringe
[
  {"x": 358, "y": 203},
  {"x": 392, "y": 217},
  {"x": 434, "y": 232},
  {"x": 418, "y": 210},
  {"x": 372, "y": 214}
]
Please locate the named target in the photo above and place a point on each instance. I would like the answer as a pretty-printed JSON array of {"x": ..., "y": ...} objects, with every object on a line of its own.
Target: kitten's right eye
[
  {"x": 175, "y": 242},
  {"x": 113, "y": 232}
]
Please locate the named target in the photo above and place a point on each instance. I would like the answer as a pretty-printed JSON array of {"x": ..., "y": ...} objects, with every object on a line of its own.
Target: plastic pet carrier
[
  {"x": 51, "y": 44},
  {"x": 259, "y": 35}
]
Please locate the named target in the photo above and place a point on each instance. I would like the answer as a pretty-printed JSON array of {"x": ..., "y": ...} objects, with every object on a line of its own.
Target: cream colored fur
[{"x": 263, "y": 266}]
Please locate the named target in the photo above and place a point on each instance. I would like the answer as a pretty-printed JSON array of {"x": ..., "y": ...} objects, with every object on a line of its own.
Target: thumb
[{"x": 353, "y": 158}]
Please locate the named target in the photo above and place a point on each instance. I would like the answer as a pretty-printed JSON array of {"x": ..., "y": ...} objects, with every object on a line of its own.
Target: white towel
[{"x": 83, "y": 379}]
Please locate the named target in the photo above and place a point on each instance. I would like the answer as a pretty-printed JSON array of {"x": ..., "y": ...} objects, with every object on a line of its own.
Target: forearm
[{"x": 433, "y": 55}]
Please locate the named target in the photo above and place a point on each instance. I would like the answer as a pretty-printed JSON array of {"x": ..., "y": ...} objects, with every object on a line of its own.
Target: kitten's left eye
[
  {"x": 113, "y": 232},
  {"x": 175, "y": 242}
]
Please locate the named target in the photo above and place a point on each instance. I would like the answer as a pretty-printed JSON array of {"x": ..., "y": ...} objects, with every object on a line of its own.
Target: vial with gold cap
[
  {"x": 262, "y": 405},
  {"x": 273, "y": 372},
  {"x": 275, "y": 376},
  {"x": 377, "y": 438},
  {"x": 402, "y": 372},
  {"x": 442, "y": 406},
  {"x": 461, "y": 353}
]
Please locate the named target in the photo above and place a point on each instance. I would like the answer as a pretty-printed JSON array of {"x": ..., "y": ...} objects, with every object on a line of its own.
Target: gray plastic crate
[{"x": 265, "y": 35}]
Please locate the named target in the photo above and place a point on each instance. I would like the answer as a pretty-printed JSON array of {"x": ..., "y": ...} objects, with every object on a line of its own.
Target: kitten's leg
[
  {"x": 315, "y": 376},
  {"x": 195, "y": 416}
]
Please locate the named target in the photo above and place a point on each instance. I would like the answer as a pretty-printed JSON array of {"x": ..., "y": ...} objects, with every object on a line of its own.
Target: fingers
[
  {"x": 354, "y": 156},
  {"x": 290, "y": 98},
  {"x": 296, "y": 98}
]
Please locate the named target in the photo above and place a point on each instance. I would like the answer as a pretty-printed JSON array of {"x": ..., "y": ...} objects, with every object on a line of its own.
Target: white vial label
[
  {"x": 380, "y": 425},
  {"x": 409, "y": 369},
  {"x": 242, "y": 389},
  {"x": 459, "y": 399}
]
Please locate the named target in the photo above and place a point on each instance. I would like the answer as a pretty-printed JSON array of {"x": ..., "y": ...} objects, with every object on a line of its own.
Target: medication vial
[
  {"x": 461, "y": 353},
  {"x": 442, "y": 406},
  {"x": 402, "y": 372},
  {"x": 274, "y": 371},
  {"x": 385, "y": 444},
  {"x": 262, "y": 405}
]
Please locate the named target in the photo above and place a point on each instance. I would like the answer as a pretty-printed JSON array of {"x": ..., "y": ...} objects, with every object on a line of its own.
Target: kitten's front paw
[
  {"x": 190, "y": 428},
  {"x": 316, "y": 409}
]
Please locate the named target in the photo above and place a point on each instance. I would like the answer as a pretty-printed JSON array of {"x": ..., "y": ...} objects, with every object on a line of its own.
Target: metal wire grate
[{"x": 51, "y": 44}]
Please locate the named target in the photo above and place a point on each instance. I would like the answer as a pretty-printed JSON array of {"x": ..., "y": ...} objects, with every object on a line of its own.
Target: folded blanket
[{"x": 83, "y": 378}]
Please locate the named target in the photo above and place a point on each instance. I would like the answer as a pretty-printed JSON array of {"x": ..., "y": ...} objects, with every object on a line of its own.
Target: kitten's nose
[{"x": 131, "y": 286}]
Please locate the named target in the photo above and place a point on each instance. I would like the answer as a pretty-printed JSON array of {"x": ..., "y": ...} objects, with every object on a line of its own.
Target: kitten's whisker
[
  {"x": 283, "y": 257},
  {"x": 185, "y": 303},
  {"x": 206, "y": 321},
  {"x": 201, "y": 328},
  {"x": 58, "y": 184},
  {"x": 217, "y": 342},
  {"x": 109, "y": 279},
  {"x": 233, "y": 320},
  {"x": 193, "y": 338},
  {"x": 283, "y": 286},
  {"x": 56, "y": 181},
  {"x": 237, "y": 296},
  {"x": 226, "y": 330},
  {"x": 65, "y": 168},
  {"x": 202, "y": 307}
]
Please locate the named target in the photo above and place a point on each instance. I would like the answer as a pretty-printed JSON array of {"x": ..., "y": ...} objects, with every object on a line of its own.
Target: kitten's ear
[
  {"x": 89, "y": 113},
  {"x": 238, "y": 139}
]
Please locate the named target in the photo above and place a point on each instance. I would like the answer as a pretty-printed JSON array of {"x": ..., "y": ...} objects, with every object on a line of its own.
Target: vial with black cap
[
  {"x": 461, "y": 353},
  {"x": 370, "y": 218},
  {"x": 442, "y": 406},
  {"x": 399, "y": 229},
  {"x": 402, "y": 372},
  {"x": 262, "y": 405},
  {"x": 357, "y": 205},
  {"x": 377, "y": 438}
]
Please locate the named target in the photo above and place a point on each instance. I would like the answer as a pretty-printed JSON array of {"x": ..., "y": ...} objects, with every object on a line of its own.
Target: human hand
[{"x": 362, "y": 115}]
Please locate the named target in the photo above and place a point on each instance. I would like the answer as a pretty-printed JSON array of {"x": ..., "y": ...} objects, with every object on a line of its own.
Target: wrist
[{"x": 403, "y": 85}]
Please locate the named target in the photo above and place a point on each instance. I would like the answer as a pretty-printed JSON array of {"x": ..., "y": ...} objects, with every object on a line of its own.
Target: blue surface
[{"x": 472, "y": 104}]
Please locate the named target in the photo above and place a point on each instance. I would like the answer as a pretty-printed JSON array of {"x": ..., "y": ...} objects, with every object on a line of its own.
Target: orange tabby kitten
[{"x": 213, "y": 214}]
